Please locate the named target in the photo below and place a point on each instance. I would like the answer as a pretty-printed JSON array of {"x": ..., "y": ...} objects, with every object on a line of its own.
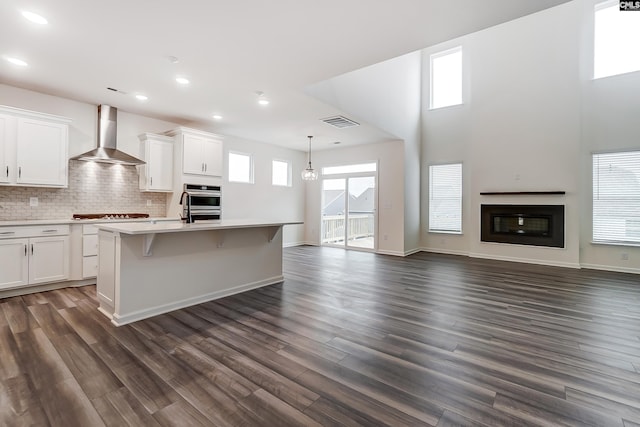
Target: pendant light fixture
[{"x": 309, "y": 174}]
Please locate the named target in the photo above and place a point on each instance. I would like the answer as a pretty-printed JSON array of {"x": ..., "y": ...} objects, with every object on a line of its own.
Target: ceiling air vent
[{"x": 340, "y": 122}]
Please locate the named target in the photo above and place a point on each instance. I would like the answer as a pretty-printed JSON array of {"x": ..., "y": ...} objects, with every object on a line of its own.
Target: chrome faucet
[{"x": 189, "y": 218}]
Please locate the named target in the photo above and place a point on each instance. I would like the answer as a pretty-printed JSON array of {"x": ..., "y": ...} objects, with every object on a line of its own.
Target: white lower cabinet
[
  {"x": 15, "y": 263},
  {"x": 89, "y": 251},
  {"x": 37, "y": 255},
  {"x": 49, "y": 259}
]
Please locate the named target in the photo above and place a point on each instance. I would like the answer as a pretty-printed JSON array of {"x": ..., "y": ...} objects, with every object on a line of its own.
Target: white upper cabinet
[
  {"x": 5, "y": 137},
  {"x": 201, "y": 152},
  {"x": 34, "y": 148},
  {"x": 157, "y": 173},
  {"x": 42, "y": 152},
  {"x": 202, "y": 156}
]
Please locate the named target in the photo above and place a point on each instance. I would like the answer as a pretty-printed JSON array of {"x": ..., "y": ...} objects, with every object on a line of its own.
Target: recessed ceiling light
[
  {"x": 182, "y": 80},
  {"x": 262, "y": 100},
  {"x": 141, "y": 97},
  {"x": 217, "y": 116},
  {"x": 16, "y": 61},
  {"x": 34, "y": 17}
]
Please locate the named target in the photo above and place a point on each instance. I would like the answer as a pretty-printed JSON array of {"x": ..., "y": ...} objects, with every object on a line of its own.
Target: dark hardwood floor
[{"x": 350, "y": 338}]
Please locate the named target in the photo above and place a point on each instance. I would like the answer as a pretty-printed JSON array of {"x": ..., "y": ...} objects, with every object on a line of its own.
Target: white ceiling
[{"x": 229, "y": 50}]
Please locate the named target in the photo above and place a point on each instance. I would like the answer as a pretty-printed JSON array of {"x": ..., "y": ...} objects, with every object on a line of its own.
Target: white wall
[
  {"x": 387, "y": 95},
  {"x": 531, "y": 117},
  {"x": 610, "y": 121},
  {"x": 390, "y": 158},
  {"x": 262, "y": 200}
]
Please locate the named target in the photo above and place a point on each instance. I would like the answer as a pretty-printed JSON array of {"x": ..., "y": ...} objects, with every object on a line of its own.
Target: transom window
[
  {"x": 446, "y": 78},
  {"x": 281, "y": 173},
  {"x": 240, "y": 167},
  {"x": 337, "y": 170},
  {"x": 616, "y": 36}
]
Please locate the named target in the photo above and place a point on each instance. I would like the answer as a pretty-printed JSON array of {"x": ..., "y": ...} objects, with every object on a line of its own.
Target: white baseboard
[
  {"x": 445, "y": 251},
  {"x": 392, "y": 253},
  {"x": 526, "y": 260},
  {"x": 412, "y": 251},
  {"x": 154, "y": 311},
  {"x": 611, "y": 268},
  {"x": 293, "y": 244},
  {"x": 32, "y": 289}
]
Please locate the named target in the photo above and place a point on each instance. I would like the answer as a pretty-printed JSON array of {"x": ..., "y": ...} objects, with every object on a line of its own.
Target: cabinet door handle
[
  {"x": 32, "y": 249},
  {"x": 205, "y": 167},
  {"x": 25, "y": 250},
  {"x": 6, "y": 233},
  {"x": 51, "y": 230},
  {"x": 151, "y": 178},
  {"x": 7, "y": 171},
  {"x": 202, "y": 167},
  {"x": 19, "y": 171}
]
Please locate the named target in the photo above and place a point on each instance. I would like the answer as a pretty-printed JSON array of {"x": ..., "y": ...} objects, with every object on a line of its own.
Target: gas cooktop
[{"x": 110, "y": 216}]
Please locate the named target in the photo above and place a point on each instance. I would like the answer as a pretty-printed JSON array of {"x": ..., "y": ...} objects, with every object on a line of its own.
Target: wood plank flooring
[{"x": 350, "y": 338}]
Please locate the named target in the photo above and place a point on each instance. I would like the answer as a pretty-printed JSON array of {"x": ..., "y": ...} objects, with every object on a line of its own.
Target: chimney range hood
[{"x": 107, "y": 151}]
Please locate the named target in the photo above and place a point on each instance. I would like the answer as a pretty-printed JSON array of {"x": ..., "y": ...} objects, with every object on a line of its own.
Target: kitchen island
[{"x": 149, "y": 268}]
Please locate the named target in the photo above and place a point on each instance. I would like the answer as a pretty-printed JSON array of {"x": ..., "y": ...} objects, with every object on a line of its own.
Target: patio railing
[{"x": 360, "y": 226}]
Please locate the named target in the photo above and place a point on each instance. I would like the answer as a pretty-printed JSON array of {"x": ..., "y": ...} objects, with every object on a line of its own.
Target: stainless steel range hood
[{"x": 107, "y": 150}]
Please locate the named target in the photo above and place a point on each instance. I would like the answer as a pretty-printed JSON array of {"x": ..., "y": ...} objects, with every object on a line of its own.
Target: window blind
[
  {"x": 616, "y": 197},
  {"x": 445, "y": 198}
]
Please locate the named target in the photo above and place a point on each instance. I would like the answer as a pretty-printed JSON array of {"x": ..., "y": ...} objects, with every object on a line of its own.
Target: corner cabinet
[
  {"x": 200, "y": 152},
  {"x": 34, "y": 148},
  {"x": 157, "y": 174}
]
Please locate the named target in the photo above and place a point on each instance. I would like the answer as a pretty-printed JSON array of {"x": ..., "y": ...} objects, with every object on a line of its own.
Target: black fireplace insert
[{"x": 537, "y": 225}]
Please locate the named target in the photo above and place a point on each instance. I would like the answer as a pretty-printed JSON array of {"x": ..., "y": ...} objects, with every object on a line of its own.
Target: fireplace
[{"x": 537, "y": 225}]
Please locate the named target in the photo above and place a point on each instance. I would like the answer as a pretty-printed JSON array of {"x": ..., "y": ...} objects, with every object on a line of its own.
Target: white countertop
[
  {"x": 80, "y": 221},
  {"x": 153, "y": 227}
]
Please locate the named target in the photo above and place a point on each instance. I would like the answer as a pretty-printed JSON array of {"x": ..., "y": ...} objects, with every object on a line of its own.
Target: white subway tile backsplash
[{"x": 93, "y": 188}]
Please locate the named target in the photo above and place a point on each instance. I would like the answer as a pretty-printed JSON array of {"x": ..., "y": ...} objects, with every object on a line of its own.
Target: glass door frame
[{"x": 346, "y": 176}]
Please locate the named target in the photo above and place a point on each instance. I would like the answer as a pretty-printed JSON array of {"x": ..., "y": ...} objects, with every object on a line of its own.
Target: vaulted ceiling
[{"x": 229, "y": 51}]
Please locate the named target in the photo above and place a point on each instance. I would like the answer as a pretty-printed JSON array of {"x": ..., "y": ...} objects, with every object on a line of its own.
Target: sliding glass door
[{"x": 349, "y": 211}]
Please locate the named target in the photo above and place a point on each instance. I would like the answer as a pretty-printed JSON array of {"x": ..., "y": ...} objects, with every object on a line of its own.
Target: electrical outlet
[
  {"x": 624, "y": 256},
  {"x": 386, "y": 237},
  {"x": 33, "y": 202},
  {"x": 148, "y": 202}
]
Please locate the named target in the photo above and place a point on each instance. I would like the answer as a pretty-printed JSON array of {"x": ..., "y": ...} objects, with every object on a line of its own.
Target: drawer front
[
  {"x": 34, "y": 231},
  {"x": 89, "y": 229},
  {"x": 89, "y": 266},
  {"x": 90, "y": 245}
]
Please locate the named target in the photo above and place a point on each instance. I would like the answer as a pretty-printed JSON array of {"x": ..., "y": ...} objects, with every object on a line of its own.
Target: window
[
  {"x": 281, "y": 173},
  {"x": 616, "y": 35},
  {"x": 616, "y": 197},
  {"x": 445, "y": 198},
  {"x": 337, "y": 170},
  {"x": 240, "y": 167},
  {"x": 446, "y": 78}
]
